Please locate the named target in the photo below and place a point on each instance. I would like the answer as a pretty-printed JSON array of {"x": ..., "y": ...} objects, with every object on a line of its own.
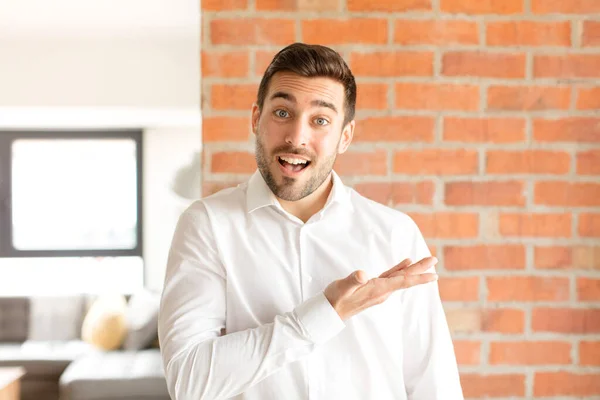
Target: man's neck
[{"x": 311, "y": 204}]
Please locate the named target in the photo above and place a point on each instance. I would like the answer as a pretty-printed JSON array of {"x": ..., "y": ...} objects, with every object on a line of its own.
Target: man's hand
[{"x": 355, "y": 293}]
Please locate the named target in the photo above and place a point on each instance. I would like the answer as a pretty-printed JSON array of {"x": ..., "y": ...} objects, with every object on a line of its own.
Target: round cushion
[{"x": 105, "y": 325}]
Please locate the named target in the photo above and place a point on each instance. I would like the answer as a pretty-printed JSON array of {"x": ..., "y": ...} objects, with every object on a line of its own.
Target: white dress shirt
[{"x": 243, "y": 314}]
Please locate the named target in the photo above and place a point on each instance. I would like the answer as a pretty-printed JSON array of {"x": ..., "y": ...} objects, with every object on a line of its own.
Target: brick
[
  {"x": 262, "y": 60},
  {"x": 394, "y": 193},
  {"x": 565, "y": 257},
  {"x": 589, "y": 353},
  {"x": 225, "y": 64},
  {"x": 588, "y": 162},
  {"x": 297, "y": 5},
  {"x": 483, "y": 64},
  {"x": 569, "y": 194},
  {"x": 473, "y": 320},
  {"x": 225, "y": 129},
  {"x": 588, "y": 289},
  {"x": 535, "y": 225},
  {"x": 565, "y": 7},
  {"x": 437, "y": 96},
  {"x": 564, "y": 383},
  {"x": 447, "y": 224},
  {"x": 528, "y": 98},
  {"x": 459, "y": 289},
  {"x": 488, "y": 386},
  {"x": 509, "y": 193},
  {"x": 482, "y": 7},
  {"x": 588, "y": 98},
  {"x": 235, "y": 162},
  {"x": 527, "y": 288},
  {"x": 355, "y": 163},
  {"x": 372, "y": 96},
  {"x": 233, "y": 96},
  {"x": 209, "y": 188},
  {"x": 395, "y": 129},
  {"x": 567, "y": 66},
  {"x": 467, "y": 352},
  {"x": 463, "y": 320},
  {"x": 253, "y": 31},
  {"x": 528, "y": 33},
  {"x": 504, "y": 320},
  {"x": 436, "y": 32},
  {"x": 436, "y": 162},
  {"x": 566, "y": 320},
  {"x": 223, "y": 5},
  {"x": 391, "y": 6},
  {"x": 574, "y": 129},
  {"x": 530, "y": 353},
  {"x": 555, "y": 257},
  {"x": 586, "y": 257},
  {"x": 528, "y": 162},
  {"x": 484, "y": 257},
  {"x": 484, "y": 130},
  {"x": 392, "y": 63},
  {"x": 591, "y": 33},
  {"x": 433, "y": 249},
  {"x": 589, "y": 225},
  {"x": 345, "y": 31}
]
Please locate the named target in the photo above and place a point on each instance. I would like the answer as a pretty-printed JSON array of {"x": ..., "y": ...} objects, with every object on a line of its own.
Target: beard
[{"x": 292, "y": 189}]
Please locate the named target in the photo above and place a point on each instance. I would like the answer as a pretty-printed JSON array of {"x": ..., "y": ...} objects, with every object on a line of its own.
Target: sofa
[{"x": 47, "y": 336}]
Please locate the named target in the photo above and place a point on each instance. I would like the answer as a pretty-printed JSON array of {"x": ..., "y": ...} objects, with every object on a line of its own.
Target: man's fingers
[
  {"x": 404, "y": 282},
  {"x": 405, "y": 263},
  {"x": 420, "y": 266},
  {"x": 413, "y": 280}
]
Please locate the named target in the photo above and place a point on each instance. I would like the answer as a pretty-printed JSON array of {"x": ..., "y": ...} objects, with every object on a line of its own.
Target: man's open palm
[{"x": 355, "y": 293}]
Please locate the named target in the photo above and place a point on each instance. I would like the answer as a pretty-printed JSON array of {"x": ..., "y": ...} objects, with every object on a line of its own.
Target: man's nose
[{"x": 297, "y": 134}]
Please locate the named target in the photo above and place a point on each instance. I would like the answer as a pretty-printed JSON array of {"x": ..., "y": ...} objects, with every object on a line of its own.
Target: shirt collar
[{"x": 259, "y": 194}]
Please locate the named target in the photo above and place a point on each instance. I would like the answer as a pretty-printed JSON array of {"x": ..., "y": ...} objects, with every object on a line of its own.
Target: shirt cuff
[{"x": 319, "y": 318}]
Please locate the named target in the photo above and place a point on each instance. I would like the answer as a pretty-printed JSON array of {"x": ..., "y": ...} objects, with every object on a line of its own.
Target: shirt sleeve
[
  {"x": 430, "y": 368},
  {"x": 200, "y": 361}
]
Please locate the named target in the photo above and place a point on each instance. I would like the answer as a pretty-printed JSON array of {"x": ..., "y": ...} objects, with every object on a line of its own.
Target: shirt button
[{"x": 309, "y": 278}]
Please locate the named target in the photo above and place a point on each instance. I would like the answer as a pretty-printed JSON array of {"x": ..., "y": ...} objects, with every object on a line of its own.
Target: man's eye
[
  {"x": 321, "y": 121},
  {"x": 281, "y": 113}
]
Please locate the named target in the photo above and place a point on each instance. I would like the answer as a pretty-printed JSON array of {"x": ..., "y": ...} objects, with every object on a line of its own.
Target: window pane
[{"x": 74, "y": 194}]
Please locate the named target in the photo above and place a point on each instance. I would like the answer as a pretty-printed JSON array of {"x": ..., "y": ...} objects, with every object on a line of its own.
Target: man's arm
[
  {"x": 201, "y": 364},
  {"x": 430, "y": 368}
]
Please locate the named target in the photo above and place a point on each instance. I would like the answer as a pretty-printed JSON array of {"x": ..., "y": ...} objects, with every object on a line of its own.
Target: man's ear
[
  {"x": 347, "y": 135},
  {"x": 255, "y": 117}
]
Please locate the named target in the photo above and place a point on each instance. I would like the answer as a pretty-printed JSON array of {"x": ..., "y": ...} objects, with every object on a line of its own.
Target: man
[{"x": 292, "y": 285}]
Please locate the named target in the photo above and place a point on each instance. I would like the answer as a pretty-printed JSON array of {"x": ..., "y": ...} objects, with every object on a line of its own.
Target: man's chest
[{"x": 272, "y": 268}]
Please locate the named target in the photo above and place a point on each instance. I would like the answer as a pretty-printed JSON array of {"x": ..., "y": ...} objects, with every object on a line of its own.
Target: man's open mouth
[{"x": 293, "y": 164}]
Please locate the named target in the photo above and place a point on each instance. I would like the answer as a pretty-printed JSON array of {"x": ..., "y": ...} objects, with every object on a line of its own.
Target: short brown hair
[{"x": 311, "y": 61}]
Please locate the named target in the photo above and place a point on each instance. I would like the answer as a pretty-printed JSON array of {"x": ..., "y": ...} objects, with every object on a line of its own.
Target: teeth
[{"x": 294, "y": 161}]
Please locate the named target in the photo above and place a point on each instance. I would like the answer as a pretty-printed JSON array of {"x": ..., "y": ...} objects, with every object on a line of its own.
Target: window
[{"x": 70, "y": 194}]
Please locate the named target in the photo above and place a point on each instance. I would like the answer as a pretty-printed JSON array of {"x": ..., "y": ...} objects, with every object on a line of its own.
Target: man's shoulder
[
  {"x": 377, "y": 212},
  {"x": 223, "y": 202}
]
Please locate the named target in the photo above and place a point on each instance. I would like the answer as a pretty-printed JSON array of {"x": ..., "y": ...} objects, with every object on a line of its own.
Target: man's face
[{"x": 299, "y": 133}]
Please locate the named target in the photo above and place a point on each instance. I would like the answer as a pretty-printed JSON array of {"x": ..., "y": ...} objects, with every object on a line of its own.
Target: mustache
[{"x": 293, "y": 150}]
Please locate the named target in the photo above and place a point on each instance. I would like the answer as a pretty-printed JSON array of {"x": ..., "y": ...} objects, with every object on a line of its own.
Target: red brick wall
[{"x": 479, "y": 118}]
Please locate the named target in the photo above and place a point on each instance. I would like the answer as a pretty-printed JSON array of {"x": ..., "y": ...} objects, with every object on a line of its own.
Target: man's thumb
[{"x": 358, "y": 278}]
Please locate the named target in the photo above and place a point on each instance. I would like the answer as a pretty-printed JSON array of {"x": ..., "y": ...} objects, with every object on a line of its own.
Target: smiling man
[{"x": 294, "y": 286}]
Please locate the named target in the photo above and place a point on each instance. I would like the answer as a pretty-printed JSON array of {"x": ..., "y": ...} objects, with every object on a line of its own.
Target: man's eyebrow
[
  {"x": 283, "y": 95},
  {"x": 323, "y": 103},
  {"x": 316, "y": 103}
]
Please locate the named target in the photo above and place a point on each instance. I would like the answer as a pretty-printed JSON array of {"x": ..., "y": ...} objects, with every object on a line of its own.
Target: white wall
[
  {"x": 145, "y": 70},
  {"x": 166, "y": 150},
  {"x": 73, "y": 64}
]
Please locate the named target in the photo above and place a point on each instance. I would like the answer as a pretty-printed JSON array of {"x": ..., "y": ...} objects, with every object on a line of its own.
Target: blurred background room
[
  {"x": 99, "y": 154},
  {"x": 478, "y": 118}
]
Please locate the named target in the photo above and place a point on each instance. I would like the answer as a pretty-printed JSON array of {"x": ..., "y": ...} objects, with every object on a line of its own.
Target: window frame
[{"x": 7, "y": 137}]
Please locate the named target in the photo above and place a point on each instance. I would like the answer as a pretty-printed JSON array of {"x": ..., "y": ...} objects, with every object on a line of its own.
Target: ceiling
[{"x": 99, "y": 16}]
